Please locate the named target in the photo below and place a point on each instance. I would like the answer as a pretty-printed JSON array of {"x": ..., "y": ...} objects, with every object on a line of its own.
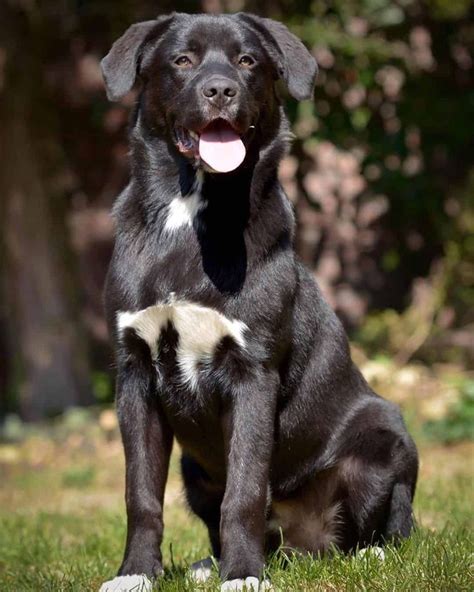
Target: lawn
[{"x": 62, "y": 513}]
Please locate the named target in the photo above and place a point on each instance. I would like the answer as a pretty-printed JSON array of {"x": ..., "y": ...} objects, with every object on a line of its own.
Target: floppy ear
[
  {"x": 294, "y": 63},
  {"x": 121, "y": 65}
]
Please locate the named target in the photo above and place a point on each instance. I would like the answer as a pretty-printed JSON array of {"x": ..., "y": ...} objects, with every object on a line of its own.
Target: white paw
[
  {"x": 376, "y": 552},
  {"x": 249, "y": 584},
  {"x": 133, "y": 583},
  {"x": 201, "y": 571}
]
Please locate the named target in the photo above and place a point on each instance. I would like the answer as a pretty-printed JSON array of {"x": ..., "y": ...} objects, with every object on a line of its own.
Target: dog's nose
[{"x": 220, "y": 90}]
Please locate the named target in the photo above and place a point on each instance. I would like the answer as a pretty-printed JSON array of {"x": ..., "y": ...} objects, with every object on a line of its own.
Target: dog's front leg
[
  {"x": 248, "y": 432},
  {"x": 147, "y": 440}
]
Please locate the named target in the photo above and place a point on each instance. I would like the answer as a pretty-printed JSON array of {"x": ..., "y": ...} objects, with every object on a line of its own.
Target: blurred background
[{"x": 381, "y": 176}]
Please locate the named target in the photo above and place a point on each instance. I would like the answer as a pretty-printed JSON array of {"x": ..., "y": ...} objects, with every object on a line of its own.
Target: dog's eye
[
  {"x": 183, "y": 61},
  {"x": 246, "y": 61}
]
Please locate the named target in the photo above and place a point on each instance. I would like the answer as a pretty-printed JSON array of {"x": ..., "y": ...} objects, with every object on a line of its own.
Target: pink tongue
[{"x": 221, "y": 148}]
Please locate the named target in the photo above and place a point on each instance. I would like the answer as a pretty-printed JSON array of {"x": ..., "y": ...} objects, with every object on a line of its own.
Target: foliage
[
  {"x": 459, "y": 422},
  {"x": 103, "y": 387},
  {"x": 437, "y": 325},
  {"x": 79, "y": 477},
  {"x": 395, "y": 93}
]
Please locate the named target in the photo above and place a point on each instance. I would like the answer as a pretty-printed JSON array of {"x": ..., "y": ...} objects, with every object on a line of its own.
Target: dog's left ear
[
  {"x": 121, "y": 65},
  {"x": 294, "y": 63}
]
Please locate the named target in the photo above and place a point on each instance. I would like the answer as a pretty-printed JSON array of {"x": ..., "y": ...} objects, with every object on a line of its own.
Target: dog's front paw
[
  {"x": 135, "y": 583},
  {"x": 250, "y": 584}
]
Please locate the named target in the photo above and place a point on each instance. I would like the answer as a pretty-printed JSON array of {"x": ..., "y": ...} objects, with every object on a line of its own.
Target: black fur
[{"x": 287, "y": 420}]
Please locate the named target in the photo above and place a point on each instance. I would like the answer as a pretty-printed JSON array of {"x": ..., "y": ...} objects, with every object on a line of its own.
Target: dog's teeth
[{"x": 193, "y": 135}]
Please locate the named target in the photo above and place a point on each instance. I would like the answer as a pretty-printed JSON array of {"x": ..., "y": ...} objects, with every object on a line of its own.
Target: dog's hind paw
[
  {"x": 249, "y": 585},
  {"x": 135, "y": 583},
  {"x": 201, "y": 571},
  {"x": 376, "y": 552}
]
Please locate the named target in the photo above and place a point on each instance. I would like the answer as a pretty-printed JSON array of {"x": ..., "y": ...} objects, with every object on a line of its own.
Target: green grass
[
  {"x": 52, "y": 552},
  {"x": 62, "y": 525}
]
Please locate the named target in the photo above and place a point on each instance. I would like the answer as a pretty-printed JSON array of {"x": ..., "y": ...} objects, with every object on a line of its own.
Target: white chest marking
[
  {"x": 200, "y": 329},
  {"x": 182, "y": 211}
]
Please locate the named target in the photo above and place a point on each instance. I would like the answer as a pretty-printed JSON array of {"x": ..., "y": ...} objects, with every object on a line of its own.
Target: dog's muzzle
[{"x": 218, "y": 145}]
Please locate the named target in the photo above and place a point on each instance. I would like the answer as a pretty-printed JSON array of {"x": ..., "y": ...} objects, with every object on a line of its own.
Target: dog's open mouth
[{"x": 218, "y": 145}]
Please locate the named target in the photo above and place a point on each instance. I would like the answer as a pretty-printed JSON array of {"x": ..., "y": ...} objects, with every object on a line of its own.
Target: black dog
[{"x": 222, "y": 338}]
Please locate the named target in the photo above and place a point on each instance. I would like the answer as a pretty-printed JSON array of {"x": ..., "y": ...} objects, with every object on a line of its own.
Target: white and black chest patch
[{"x": 200, "y": 330}]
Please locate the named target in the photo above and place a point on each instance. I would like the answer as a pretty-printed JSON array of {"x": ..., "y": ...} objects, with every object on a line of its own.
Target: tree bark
[{"x": 46, "y": 362}]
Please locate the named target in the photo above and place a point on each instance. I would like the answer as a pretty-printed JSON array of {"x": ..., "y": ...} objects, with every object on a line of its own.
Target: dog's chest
[
  {"x": 197, "y": 333},
  {"x": 202, "y": 244}
]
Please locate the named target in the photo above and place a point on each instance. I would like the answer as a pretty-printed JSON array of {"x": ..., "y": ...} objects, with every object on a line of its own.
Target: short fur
[{"x": 278, "y": 428}]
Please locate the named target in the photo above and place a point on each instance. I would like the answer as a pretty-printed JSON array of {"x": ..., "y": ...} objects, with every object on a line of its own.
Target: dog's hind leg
[
  {"x": 399, "y": 522},
  {"x": 400, "y": 519},
  {"x": 380, "y": 476}
]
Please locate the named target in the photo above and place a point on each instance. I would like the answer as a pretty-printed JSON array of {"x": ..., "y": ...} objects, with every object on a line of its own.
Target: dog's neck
[
  {"x": 239, "y": 218},
  {"x": 162, "y": 173}
]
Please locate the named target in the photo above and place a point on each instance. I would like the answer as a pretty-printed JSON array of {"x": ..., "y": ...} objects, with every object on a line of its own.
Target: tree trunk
[{"x": 46, "y": 362}]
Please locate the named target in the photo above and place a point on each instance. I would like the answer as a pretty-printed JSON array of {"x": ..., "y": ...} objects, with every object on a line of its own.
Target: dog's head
[{"x": 207, "y": 80}]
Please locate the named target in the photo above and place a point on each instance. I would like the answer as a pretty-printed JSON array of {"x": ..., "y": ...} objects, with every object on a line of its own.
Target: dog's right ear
[{"x": 121, "y": 65}]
